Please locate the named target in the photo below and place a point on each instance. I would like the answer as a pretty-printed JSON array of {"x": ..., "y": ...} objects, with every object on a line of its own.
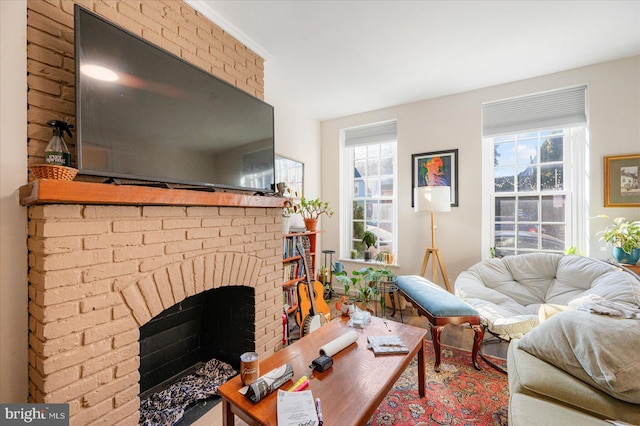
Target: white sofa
[{"x": 509, "y": 291}]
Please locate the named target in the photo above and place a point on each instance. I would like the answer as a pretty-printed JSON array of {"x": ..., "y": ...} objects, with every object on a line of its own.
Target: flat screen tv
[{"x": 143, "y": 114}]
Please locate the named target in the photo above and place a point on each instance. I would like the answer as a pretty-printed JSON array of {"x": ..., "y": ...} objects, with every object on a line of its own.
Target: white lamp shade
[{"x": 432, "y": 198}]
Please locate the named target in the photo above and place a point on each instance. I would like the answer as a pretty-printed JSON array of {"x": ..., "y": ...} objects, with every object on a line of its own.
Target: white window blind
[
  {"x": 374, "y": 133},
  {"x": 560, "y": 108}
]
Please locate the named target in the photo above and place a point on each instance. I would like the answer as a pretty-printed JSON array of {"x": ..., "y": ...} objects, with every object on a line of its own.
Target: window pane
[
  {"x": 505, "y": 236},
  {"x": 527, "y": 209},
  {"x": 371, "y": 212},
  {"x": 504, "y": 179},
  {"x": 553, "y": 237},
  {"x": 358, "y": 210},
  {"x": 358, "y": 188},
  {"x": 553, "y": 208},
  {"x": 386, "y": 213},
  {"x": 359, "y": 169},
  {"x": 551, "y": 177},
  {"x": 552, "y": 149},
  {"x": 373, "y": 187},
  {"x": 528, "y": 151},
  {"x": 504, "y": 154},
  {"x": 358, "y": 229},
  {"x": 388, "y": 149},
  {"x": 386, "y": 187},
  {"x": 505, "y": 209},
  {"x": 527, "y": 179},
  {"x": 360, "y": 152},
  {"x": 386, "y": 166},
  {"x": 373, "y": 150},
  {"x": 373, "y": 167}
]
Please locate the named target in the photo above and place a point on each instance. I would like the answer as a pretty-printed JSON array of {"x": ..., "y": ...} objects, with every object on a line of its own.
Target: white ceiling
[{"x": 336, "y": 58}]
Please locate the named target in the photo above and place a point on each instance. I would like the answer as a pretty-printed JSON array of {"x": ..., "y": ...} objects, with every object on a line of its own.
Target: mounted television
[{"x": 143, "y": 114}]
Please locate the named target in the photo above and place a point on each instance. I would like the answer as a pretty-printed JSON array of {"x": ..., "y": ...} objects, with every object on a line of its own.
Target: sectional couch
[{"x": 577, "y": 368}]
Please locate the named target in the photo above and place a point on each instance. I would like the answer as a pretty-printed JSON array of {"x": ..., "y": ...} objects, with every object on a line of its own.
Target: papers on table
[
  {"x": 296, "y": 408},
  {"x": 387, "y": 344}
]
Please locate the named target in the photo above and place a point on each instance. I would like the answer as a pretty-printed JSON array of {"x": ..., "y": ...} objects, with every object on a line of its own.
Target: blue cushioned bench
[{"x": 441, "y": 308}]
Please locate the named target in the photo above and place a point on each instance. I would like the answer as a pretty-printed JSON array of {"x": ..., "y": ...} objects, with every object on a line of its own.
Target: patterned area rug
[{"x": 458, "y": 395}]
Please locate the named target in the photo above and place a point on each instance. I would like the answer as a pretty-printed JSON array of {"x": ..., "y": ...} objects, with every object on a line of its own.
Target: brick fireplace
[
  {"x": 105, "y": 260},
  {"x": 101, "y": 269}
]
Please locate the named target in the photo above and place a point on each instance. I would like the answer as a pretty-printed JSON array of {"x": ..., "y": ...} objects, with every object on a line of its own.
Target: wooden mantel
[{"x": 49, "y": 191}]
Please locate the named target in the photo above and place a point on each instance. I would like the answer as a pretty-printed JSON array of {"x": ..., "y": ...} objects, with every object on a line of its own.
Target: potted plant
[
  {"x": 624, "y": 236},
  {"x": 385, "y": 257},
  {"x": 371, "y": 279},
  {"x": 369, "y": 239},
  {"x": 345, "y": 305},
  {"x": 287, "y": 210},
  {"x": 311, "y": 210}
]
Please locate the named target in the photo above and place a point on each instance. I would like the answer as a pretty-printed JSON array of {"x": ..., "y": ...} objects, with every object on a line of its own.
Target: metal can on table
[{"x": 249, "y": 368}]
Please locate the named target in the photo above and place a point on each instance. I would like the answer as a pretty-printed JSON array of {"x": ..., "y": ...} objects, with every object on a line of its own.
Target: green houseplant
[
  {"x": 311, "y": 210},
  {"x": 370, "y": 280},
  {"x": 624, "y": 236},
  {"x": 369, "y": 239},
  {"x": 345, "y": 305}
]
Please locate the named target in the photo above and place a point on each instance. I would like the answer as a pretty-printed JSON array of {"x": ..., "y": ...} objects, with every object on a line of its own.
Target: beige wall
[
  {"x": 13, "y": 217},
  {"x": 298, "y": 138},
  {"x": 455, "y": 122}
]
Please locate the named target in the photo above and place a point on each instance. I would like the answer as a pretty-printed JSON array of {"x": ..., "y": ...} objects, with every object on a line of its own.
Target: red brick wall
[{"x": 170, "y": 24}]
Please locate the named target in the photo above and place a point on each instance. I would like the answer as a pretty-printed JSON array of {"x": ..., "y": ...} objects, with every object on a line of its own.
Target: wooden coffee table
[{"x": 350, "y": 391}]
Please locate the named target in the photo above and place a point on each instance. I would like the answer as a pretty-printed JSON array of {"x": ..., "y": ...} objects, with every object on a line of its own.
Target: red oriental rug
[{"x": 458, "y": 395}]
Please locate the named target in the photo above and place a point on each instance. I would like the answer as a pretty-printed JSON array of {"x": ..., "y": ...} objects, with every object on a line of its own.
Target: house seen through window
[
  {"x": 529, "y": 192},
  {"x": 369, "y": 169}
]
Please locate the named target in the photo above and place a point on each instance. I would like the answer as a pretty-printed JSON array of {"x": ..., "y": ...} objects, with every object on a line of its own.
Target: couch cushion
[
  {"x": 508, "y": 292},
  {"x": 534, "y": 377},
  {"x": 526, "y": 411},
  {"x": 597, "y": 349},
  {"x": 433, "y": 298}
]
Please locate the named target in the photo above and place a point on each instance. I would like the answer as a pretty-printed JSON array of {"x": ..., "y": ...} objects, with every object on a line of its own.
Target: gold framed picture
[{"x": 621, "y": 186}]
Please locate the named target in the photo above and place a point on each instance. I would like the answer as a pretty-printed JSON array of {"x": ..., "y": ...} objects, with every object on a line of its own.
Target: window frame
[
  {"x": 576, "y": 184},
  {"x": 347, "y": 198}
]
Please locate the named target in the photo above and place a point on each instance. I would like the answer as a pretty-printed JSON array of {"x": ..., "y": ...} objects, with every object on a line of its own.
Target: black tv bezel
[{"x": 152, "y": 180}]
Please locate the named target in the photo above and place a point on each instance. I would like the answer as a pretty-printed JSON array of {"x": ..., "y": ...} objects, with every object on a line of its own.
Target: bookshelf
[{"x": 292, "y": 269}]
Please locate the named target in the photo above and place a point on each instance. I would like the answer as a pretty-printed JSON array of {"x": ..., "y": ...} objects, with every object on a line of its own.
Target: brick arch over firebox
[{"x": 153, "y": 293}]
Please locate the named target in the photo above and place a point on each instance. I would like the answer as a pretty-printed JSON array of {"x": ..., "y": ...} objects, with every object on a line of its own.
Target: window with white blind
[
  {"x": 535, "y": 150},
  {"x": 368, "y": 176}
]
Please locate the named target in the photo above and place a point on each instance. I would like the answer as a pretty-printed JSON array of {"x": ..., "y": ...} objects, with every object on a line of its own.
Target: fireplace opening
[{"x": 218, "y": 324}]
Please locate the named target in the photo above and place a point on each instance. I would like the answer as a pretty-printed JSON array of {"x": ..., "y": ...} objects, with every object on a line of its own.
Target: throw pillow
[{"x": 597, "y": 349}]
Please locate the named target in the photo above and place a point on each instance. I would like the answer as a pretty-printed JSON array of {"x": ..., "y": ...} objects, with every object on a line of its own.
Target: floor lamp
[{"x": 433, "y": 199}]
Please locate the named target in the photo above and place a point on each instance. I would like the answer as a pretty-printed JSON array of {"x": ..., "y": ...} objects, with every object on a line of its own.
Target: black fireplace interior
[{"x": 218, "y": 323}]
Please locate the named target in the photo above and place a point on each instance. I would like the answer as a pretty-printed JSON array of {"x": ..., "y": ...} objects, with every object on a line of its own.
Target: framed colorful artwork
[
  {"x": 439, "y": 168},
  {"x": 621, "y": 186}
]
